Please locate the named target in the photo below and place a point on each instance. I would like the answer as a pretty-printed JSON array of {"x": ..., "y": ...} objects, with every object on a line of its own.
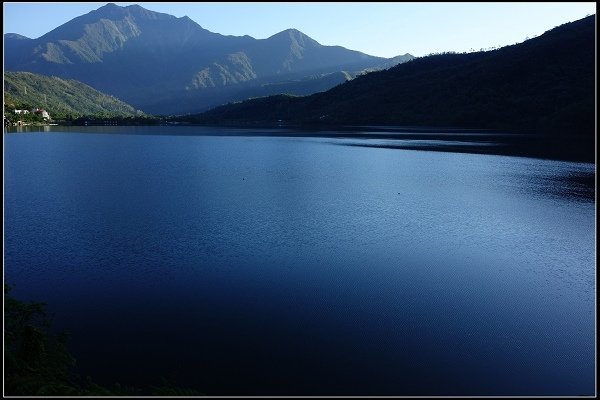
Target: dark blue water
[{"x": 298, "y": 266}]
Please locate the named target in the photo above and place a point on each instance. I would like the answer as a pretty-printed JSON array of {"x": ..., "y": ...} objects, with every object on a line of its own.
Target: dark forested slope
[{"x": 544, "y": 85}]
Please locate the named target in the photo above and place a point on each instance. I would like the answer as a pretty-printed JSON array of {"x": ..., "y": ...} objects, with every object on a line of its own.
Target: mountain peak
[
  {"x": 134, "y": 53},
  {"x": 75, "y": 29},
  {"x": 289, "y": 32},
  {"x": 113, "y": 11},
  {"x": 109, "y": 10},
  {"x": 295, "y": 36},
  {"x": 15, "y": 36},
  {"x": 109, "y": 6}
]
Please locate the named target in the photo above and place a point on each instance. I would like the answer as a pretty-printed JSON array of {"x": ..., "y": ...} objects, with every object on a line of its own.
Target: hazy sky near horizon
[{"x": 379, "y": 29}]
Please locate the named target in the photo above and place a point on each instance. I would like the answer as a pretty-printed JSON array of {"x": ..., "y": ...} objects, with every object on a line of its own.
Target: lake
[{"x": 239, "y": 263}]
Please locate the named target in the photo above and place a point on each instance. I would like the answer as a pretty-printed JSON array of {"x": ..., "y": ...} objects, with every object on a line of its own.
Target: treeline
[
  {"x": 101, "y": 118},
  {"x": 105, "y": 119}
]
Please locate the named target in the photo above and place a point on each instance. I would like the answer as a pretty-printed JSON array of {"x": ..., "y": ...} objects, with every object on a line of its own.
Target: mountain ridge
[{"x": 164, "y": 64}]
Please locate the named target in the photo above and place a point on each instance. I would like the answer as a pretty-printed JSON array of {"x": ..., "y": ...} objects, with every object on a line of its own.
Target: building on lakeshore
[{"x": 42, "y": 112}]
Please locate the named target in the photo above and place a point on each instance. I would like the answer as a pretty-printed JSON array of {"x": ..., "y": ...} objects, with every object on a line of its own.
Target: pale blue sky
[{"x": 380, "y": 29}]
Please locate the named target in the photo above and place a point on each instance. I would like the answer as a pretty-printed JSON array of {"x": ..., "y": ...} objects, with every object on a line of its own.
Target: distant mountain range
[
  {"x": 167, "y": 65},
  {"x": 60, "y": 97},
  {"x": 544, "y": 85}
]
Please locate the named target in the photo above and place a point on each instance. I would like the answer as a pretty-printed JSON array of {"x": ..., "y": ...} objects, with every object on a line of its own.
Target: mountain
[
  {"x": 60, "y": 97},
  {"x": 544, "y": 85},
  {"x": 164, "y": 64},
  {"x": 15, "y": 36}
]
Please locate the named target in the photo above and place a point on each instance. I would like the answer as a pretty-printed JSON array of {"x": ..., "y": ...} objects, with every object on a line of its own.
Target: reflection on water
[
  {"x": 411, "y": 143},
  {"x": 574, "y": 181},
  {"x": 571, "y": 181},
  {"x": 578, "y": 185},
  {"x": 29, "y": 129},
  {"x": 274, "y": 265}
]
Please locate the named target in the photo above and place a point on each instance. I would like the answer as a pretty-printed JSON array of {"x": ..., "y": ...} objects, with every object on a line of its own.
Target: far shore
[{"x": 450, "y": 139}]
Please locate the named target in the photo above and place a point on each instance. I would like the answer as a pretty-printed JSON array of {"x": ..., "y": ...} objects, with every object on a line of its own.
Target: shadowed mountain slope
[{"x": 544, "y": 85}]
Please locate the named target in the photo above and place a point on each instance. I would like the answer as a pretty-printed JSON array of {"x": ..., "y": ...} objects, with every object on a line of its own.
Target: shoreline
[{"x": 465, "y": 140}]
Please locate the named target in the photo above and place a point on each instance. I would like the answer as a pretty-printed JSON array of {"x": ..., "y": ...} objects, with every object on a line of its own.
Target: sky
[{"x": 379, "y": 29}]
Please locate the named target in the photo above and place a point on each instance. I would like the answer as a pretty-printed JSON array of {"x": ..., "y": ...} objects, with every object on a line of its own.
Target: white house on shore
[{"x": 42, "y": 112}]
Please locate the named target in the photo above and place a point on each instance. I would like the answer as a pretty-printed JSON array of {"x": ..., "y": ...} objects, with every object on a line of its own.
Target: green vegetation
[
  {"x": 38, "y": 363},
  {"x": 11, "y": 104},
  {"x": 63, "y": 99}
]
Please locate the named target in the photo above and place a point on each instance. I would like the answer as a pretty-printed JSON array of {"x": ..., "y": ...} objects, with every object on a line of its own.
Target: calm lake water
[{"x": 256, "y": 265}]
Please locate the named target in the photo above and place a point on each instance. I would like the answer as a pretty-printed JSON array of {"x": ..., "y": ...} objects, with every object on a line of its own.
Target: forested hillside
[{"x": 60, "y": 97}]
